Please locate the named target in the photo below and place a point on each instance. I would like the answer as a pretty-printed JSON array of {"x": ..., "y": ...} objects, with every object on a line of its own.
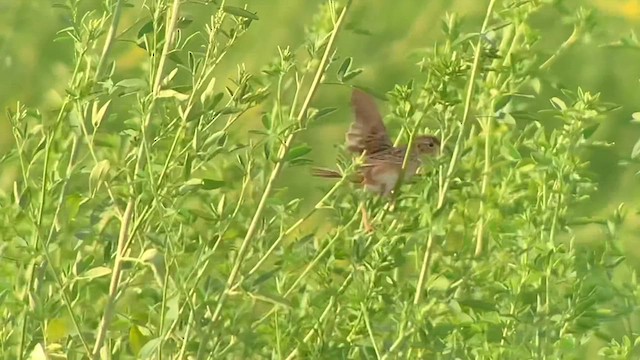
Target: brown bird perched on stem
[{"x": 382, "y": 161}]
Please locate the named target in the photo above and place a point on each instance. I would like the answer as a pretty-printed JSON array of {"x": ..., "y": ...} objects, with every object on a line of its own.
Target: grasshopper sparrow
[{"x": 382, "y": 161}]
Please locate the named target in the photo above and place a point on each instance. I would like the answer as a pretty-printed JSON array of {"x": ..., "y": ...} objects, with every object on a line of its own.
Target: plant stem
[
  {"x": 284, "y": 149},
  {"x": 125, "y": 236},
  {"x": 426, "y": 259},
  {"x": 109, "y": 40},
  {"x": 573, "y": 38}
]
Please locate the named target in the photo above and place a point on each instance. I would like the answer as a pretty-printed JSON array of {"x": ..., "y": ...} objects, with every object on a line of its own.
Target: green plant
[{"x": 148, "y": 217}]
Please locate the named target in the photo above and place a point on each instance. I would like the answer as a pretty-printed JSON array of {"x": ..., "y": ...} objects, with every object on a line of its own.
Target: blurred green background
[{"x": 34, "y": 69}]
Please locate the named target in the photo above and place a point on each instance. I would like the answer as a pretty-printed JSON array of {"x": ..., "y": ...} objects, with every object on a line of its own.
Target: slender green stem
[
  {"x": 426, "y": 259},
  {"x": 108, "y": 42},
  {"x": 293, "y": 227},
  {"x": 367, "y": 324},
  {"x": 571, "y": 40},
  {"x": 284, "y": 149},
  {"x": 38, "y": 243},
  {"x": 125, "y": 236},
  {"x": 115, "y": 281}
]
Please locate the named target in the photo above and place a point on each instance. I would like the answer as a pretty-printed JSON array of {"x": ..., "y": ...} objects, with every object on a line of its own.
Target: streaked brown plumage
[{"x": 383, "y": 162}]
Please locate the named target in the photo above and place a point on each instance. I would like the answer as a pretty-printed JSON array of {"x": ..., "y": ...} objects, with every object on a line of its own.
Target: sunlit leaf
[
  {"x": 558, "y": 104},
  {"x": 98, "y": 114},
  {"x": 57, "y": 328},
  {"x": 98, "y": 174},
  {"x": 174, "y": 94},
  {"x": 96, "y": 272},
  {"x": 136, "y": 339},
  {"x": 635, "y": 153}
]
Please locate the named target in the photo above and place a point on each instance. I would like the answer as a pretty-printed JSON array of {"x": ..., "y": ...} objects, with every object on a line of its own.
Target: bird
[{"x": 368, "y": 137}]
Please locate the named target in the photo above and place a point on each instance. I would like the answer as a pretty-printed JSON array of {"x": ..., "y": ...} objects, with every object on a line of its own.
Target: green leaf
[
  {"x": 273, "y": 299},
  {"x": 201, "y": 214},
  {"x": 510, "y": 152},
  {"x": 506, "y": 118},
  {"x": 477, "y": 305},
  {"x": 325, "y": 112},
  {"x": 38, "y": 353},
  {"x": 266, "y": 121},
  {"x": 149, "y": 348},
  {"x": 24, "y": 198},
  {"x": 204, "y": 184},
  {"x": 536, "y": 85},
  {"x": 635, "y": 153},
  {"x": 540, "y": 158},
  {"x": 156, "y": 262},
  {"x": 174, "y": 94},
  {"x": 558, "y": 104},
  {"x": 233, "y": 10},
  {"x": 136, "y": 340},
  {"x": 297, "y": 152},
  {"x": 98, "y": 114},
  {"x": 322, "y": 113},
  {"x": 57, "y": 328},
  {"x": 97, "y": 175},
  {"x": 210, "y": 184},
  {"x": 95, "y": 272},
  {"x": 167, "y": 79},
  {"x": 145, "y": 29},
  {"x": 501, "y": 102},
  {"x": 300, "y": 162},
  {"x": 188, "y": 164},
  {"x": 590, "y": 130},
  {"x": 207, "y": 96},
  {"x": 344, "y": 68},
  {"x": 351, "y": 74},
  {"x": 132, "y": 84},
  {"x": 215, "y": 100}
]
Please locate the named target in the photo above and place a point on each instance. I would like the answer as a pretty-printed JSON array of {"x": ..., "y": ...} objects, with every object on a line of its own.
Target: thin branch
[
  {"x": 125, "y": 235},
  {"x": 426, "y": 259},
  {"x": 284, "y": 149}
]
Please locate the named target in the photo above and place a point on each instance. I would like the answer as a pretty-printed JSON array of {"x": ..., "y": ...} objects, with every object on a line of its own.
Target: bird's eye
[{"x": 431, "y": 145}]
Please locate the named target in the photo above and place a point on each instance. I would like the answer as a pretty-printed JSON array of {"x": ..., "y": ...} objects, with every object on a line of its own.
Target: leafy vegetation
[{"x": 165, "y": 210}]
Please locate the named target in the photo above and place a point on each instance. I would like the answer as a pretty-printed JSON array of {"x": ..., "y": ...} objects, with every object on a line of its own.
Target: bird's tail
[
  {"x": 325, "y": 173},
  {"x": 332, "y": 174}
]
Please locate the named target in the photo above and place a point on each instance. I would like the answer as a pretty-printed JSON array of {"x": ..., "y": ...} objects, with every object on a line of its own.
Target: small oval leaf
[
  {"x": 233, "y": 10},
  {"x": 635, "y": 153},
  {"x": 344, "y": 68},
  {"x": 210, "y": 184},
  {"x": 95, "y": 272},
  {"x": 558, "y": 104},
  {"x": 132, "y": 84},
  {"x": 297, "y": 152},
  {"x": 174, "y": 94},
  {"x": 501, "y": 102},
  {"x": 97, "y": 175}
]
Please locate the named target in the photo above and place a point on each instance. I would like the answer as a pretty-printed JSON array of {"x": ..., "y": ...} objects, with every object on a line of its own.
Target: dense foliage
[{"x": 148, "y": 220}]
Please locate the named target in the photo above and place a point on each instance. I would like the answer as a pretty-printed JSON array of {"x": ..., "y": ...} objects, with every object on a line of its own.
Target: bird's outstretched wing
[{"x": 367, "y": 132}]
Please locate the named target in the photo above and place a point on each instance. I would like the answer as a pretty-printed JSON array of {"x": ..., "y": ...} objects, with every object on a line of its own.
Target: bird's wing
[{"x": 367, "y": 132}]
